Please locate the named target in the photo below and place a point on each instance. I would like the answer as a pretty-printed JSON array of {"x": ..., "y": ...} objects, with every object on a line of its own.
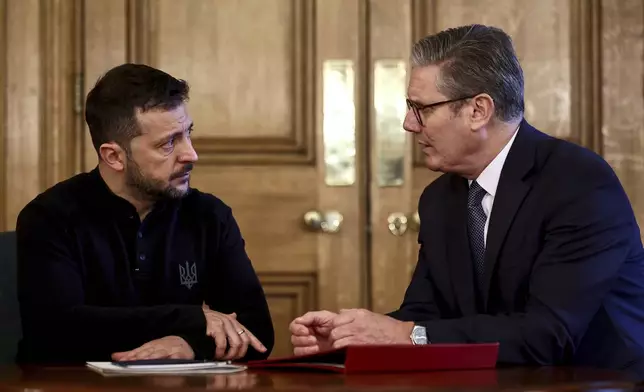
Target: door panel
[
  {"x": 622, "y": 43},
  {"x": 392, "y": 202},
  {"x": 256, "y": 71},
  {"x": 21, "y": 70}
]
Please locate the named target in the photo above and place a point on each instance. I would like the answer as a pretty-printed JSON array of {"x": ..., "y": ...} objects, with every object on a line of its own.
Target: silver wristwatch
[{"x": 418, "y": 335}]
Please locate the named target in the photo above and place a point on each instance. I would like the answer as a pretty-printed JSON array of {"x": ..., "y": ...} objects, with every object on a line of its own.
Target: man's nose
[
  {"x": 188, "y": 153},
  {"x": 411, "y": 124}
]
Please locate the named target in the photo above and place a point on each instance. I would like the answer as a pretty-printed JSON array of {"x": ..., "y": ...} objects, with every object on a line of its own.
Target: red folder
[{"x": 391, "y": 358}]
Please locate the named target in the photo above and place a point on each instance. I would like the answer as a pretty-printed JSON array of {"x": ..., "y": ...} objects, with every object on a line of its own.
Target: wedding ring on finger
[{"x": 241, "y": 331}]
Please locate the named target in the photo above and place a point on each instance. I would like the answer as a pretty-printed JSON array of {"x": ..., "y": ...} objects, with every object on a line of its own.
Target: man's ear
[
  {"x": 483, "y": 110},
  {"x": 113, "y": 155}
]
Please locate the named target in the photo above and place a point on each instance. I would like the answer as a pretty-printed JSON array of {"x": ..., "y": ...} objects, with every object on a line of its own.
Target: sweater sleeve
[{"x": 236, "y": 288}]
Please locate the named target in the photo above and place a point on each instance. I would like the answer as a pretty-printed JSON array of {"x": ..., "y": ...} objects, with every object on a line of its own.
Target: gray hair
[{"x": 475, "y": 59}]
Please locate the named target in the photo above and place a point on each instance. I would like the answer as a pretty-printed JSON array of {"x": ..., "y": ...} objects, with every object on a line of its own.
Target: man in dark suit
[{"x": 526, "y": 240}]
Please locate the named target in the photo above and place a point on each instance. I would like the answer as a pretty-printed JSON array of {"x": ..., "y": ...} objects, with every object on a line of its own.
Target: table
[{"x": 71, "y": 379}]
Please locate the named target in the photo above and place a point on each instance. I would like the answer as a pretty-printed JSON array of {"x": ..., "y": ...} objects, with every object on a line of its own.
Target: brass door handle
[
  {"x": 323, "y": 221},
  {"x": 398, "y": 223},
  {"x": 415, "y": 221}
]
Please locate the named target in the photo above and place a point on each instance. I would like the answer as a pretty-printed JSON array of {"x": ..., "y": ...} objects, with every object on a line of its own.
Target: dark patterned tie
[{"x": 476, "y": 227}]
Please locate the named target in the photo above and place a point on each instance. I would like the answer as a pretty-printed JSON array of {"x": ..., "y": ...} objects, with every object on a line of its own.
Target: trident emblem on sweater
[{"x": 188, "y": 275}]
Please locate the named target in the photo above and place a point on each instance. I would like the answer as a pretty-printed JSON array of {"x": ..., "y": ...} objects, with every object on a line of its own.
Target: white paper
[{"x": 107, "y": 368}]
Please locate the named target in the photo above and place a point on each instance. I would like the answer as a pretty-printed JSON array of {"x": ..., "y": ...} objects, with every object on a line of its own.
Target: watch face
[{"x": 419, "y": 335}]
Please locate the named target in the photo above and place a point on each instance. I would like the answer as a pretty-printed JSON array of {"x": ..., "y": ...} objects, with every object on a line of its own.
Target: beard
[{"x": 152, "y": 188}]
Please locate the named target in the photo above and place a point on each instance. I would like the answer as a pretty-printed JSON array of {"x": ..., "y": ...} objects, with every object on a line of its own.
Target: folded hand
[
  {"x": 310, "y": 332},
  {"x": 324, "y": 330}
]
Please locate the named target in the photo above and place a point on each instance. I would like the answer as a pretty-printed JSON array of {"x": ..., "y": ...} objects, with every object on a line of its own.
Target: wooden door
[
  {"x": 562, "y": 98},
  {"x": 393, "y": 188},
  {"x": 273, "y": 98}
]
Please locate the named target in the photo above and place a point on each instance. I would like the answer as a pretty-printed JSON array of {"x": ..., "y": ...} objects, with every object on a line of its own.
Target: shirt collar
[
  {"x": 114, "y": 204},
  {"x": 489, "y": 177}
]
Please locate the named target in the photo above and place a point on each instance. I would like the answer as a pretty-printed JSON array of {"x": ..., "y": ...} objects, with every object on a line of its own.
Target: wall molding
[
  {"x": 3, "y": 117},
  {"x": 140, "y": 29},
  {"x": 78, "y": 85},
  {"x": 299, "y": 287},
  {"x": 423, "y": 18},
  {"x": 586, "y": 73},
  {"x": 423, "y": 22},
  {"x": 289, "y": 295},
  {"x": 57, "y": 130},
  {"x": 296, "y": 148}
]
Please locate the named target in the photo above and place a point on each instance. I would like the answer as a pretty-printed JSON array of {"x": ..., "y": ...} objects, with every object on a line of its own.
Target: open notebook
[
  {"x": 391, "y": 358},
  {"x": 165, "y": 367}
]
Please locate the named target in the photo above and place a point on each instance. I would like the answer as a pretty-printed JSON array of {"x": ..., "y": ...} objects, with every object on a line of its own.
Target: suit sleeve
[
  {"x": 419, "y": 303},
  {"x": 236, "y": 288},
  {"x": 58, "y": 324},
  {"x": 587, "y": 238}
]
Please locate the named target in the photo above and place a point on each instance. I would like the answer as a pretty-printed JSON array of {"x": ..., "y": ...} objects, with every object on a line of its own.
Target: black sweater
[{"x": 94, "y": 280}]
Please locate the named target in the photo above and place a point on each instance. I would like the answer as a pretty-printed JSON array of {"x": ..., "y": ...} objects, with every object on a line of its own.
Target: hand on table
[
  {"x": 323, "y": 330},
  {"x": 361, "y": 326},
  {"x": 227, "y": 331},
  {"x": 168, "y": 347}
]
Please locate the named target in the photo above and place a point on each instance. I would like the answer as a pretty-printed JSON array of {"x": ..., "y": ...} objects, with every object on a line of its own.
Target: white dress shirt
[{"x": 489, "y": 180}]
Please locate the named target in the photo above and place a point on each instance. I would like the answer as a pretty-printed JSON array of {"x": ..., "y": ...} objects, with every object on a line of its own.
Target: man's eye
[{"x": 169, "y": 145}]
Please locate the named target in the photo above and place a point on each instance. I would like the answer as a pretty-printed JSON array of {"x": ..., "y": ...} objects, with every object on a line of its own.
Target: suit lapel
[
  {"x": 458, "y": 247},
  {"x": 510, "y": 193}
]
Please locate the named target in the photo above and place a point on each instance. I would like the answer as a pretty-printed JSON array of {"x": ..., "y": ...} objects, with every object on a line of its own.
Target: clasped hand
[{"x": 324, "y": 330}]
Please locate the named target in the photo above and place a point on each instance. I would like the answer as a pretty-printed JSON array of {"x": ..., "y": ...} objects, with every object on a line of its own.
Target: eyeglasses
[{"x": 416, "y": 108}]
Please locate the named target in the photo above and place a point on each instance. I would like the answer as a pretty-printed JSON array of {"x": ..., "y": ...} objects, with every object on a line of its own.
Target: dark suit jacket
[{"x": 564, "y": 278}]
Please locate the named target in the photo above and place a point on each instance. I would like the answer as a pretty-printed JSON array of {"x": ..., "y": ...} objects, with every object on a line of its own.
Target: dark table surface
[{"x": 49, "y": 379}]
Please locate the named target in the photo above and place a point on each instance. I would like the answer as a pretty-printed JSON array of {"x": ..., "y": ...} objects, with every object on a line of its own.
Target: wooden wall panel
[
  {"x": 342, "y": 262},
  {"x": 23, "y": 108},
  {"x": 59, "y": 39},
  {"x": 393, "y": 257},
  {"x": 289, "y": 295},
  {"x": 268, "y": 208},
  {"x": 622, "y": 61},
  {"x": 251, "y": 78},
  {"x": 3, "y": 119},
  {"x": 104, "y": 41},
  {"x": 586, "y": 78},
  {"x": 38, "y": 123}
]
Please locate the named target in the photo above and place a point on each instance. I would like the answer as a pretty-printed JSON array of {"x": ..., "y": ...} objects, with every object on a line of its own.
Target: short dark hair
[
  {"x": 110, "y": 109},
  {"x": 475, "y": 59}
]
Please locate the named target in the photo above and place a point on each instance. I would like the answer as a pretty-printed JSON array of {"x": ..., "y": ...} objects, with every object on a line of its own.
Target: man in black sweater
[{"x": 128, "y": 261}]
